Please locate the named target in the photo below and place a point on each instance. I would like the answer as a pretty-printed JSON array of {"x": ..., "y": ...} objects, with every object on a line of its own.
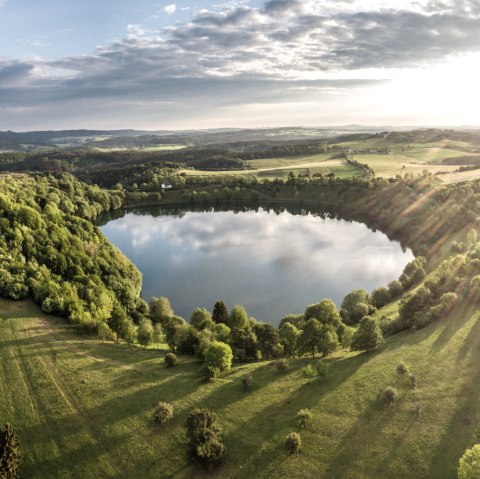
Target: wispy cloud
[
  {"x": 285, "y": 51},
  {"x": 170, "y": 9}
]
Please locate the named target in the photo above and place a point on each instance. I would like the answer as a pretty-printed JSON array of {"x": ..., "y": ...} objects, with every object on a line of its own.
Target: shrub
[
  {"x": 308, "y": 372},
  {"x": 469, "y": 464},
  {"x": 390, "y": 394},
  {"x": 402, "y": 369},
  {"x": 204, "y": 435},
  {"x": 304, "y": 416},
  {"x": 247, "y": 382},
  {"x": 322, "y": 369},
  {"x": 170, "y": 359},
  {"x": 211, "y": 372},
  {"x": 162, "y": 413},
  {"x": 293, "y": 443},
  {"x": 10, "y": 454},
  {"x": 282, "y": 365},
  {"x": 218, "y": 356}
]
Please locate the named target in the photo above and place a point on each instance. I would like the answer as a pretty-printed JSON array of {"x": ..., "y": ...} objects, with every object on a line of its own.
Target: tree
[
  {"x": 128, "y": 332},
  {"x": 201, "y": 319},
  {"x": 218, "y": 356},
  {"x": 118, "y": 317},
  {"x": 244, "y": 344},
  {"x": 318, "y": 337},
  {"x": 380, "y": 297},
  {"x": 220, "y": 313},
  {"x": 157, "y": 333},
  {"x": 325, "y": 312},
  {"x": 160, "y": 310},
  {"x": 368, "y": 335},
  {"x": 10, "y": 455},
  {"x": 238, "y": 318},
  {"x": 145, "y": 333},
  {"x": 104, "y": 332},
  {"x": 310, "y": 336},
  {"x": 174, "y": 331},
  {"x": 268, "y": 340},
  {"x": 204, "y": 435},
  {"x": 351, "y": 305},
  {"x": 289, "y": 336},
  {"x": 469, "y": 464},
  {"x": 221, "y": 332},
  {"x": 328, "y": 341}
]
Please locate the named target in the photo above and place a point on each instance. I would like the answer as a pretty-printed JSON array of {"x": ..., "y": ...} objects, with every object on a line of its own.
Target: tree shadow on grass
[
  {"x": 269, "y": 425},
  {"x": 453, "y": 322}
]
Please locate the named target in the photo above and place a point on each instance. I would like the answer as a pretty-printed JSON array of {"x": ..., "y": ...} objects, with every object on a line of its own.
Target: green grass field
[
  {"x": 401, "y": 159},
  {"x": 83, "y": 408}
]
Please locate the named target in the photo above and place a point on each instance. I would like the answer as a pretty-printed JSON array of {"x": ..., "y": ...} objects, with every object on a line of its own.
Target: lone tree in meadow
[
  {"x": 220, "y": 313},
  {"x": 10, "y": 455},
  {"x": 469, "y": 464},
  {"x": 204, "y": 436},
  {"x": 368, "y": 335}
]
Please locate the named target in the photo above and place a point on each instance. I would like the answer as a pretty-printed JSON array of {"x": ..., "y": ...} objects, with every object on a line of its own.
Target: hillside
[{"x": 83, "y": 408}]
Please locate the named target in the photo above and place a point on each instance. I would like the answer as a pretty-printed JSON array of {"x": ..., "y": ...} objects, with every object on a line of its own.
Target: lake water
[{"x": 272, "y": 263}]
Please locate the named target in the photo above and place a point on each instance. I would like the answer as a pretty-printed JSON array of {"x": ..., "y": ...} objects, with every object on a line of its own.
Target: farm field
[
  {"x": 82, "y": 408},
  {"x": 399, "y": 160}
]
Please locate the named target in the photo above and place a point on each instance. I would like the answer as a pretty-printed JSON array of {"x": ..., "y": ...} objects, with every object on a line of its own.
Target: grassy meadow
[
  {"x": 83, "y": 408},
  {"x": 400, "y": 159}
]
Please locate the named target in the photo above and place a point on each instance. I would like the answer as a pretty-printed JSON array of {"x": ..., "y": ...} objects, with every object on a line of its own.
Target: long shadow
[
  {"x": 454, "y": 321},
  {"x": 462, "y": 428},
  {"x": 471, "y": 342},
  {"x": 263, "y": 456}
]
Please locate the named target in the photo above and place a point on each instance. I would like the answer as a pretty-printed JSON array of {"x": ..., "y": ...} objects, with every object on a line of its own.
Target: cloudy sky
[{"x": 206, "y": 64}]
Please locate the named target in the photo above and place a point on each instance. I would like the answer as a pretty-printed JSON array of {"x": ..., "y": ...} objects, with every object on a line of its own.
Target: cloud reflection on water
[{"x": 273, "y": 264}]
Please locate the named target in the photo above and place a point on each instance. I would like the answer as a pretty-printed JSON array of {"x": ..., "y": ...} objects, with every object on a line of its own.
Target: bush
[
  {"x": 469, "y": 464},
  {"x": 304, "y": 416},
  {"x": 308, "y": 372},
  {"x": 204, "y": 435},
  {"x": 218, "y": 357},
  {"x": 293, "y": 443},
  {"x": 390, "y": 394},
  {"x": 211, "y": 372},
  {"x": 282, "y": 365},
  {"x": 322, "y": 369},
  {"x": 10, "y": 455},
  {"x": 162, "y": 413},
  {"x": 247, "y": 382},
  {"x": 170, "y": 359},
  {"x": 402, "y": 369}
]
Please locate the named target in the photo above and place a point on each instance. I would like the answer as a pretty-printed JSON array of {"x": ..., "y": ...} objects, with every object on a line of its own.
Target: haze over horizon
[{"x": 204, "y": 64}]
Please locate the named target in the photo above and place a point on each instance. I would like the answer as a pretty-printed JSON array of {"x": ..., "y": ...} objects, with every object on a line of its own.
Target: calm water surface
[{"x": 273, "y": 264}]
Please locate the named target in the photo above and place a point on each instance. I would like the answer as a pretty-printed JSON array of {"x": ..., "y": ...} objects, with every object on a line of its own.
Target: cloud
[
  {"x": 170, "y": 9},
  {"x": 285, "y": 51}
]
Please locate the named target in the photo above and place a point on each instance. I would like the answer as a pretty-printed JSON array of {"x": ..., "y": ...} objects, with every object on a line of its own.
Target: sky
[{"x": 155, "y": 65}]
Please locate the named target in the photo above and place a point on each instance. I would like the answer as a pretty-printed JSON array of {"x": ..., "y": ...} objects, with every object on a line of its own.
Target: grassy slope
[{"x": 83, "y": 408}]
